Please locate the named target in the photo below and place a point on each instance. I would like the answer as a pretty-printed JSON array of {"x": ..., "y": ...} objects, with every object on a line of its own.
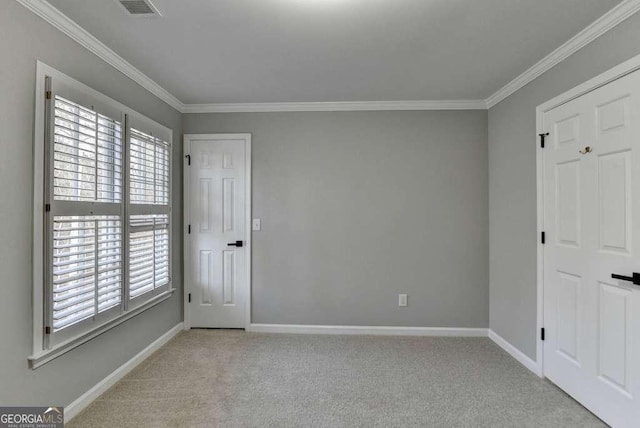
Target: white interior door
[
  {"x": 592, "y": 225},
  {"x": 217, "y": 249}
]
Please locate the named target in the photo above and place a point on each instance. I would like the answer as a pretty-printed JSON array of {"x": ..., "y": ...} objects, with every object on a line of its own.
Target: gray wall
[
  {"x": 512, "y": 181},
  {"x": 24, "y": 38},
  {"x": 357, "y": 207}
]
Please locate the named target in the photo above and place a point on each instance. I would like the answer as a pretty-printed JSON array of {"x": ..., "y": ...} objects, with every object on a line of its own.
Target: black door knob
[
  {"x": 235, "y": 244},
  {"x": 635, "y": 278}
]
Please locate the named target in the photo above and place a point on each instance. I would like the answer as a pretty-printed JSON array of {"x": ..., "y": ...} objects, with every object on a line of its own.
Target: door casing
[
  {"x": 609, "y": 76},
  {"x": 188, "y": 283}
]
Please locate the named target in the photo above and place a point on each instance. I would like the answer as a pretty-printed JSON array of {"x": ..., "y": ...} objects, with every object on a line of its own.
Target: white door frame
[
  {"x": 608, "y": 76},
  {"x": 188, "y": 284}
]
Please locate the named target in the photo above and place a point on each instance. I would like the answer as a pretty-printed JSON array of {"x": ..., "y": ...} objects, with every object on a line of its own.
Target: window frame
[{"x": 46, "y": 346}]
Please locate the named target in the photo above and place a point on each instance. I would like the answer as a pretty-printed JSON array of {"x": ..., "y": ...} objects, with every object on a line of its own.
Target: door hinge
[
  {"x": 189, "y": 297},
  {"x": 47, "y": 207},
  {"x": 543, "y": 238},
  {"x": 189, "y": 229},
  {"x": 47, "y": 330},
  {"x": 47, "y": 95},
  {"x": 542, "y": 137},
  {"x": 542, "y": 333},
  {"x": 188, "y": 159}
]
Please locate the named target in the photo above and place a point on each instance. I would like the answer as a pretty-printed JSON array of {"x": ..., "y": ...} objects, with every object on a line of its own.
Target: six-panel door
[
  {"x": 217, "y": 219},
  {"x": 592, "y": 224}
]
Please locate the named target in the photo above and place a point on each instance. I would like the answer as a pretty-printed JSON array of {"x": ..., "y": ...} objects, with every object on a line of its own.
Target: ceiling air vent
[{"x": 139, "y": 7}]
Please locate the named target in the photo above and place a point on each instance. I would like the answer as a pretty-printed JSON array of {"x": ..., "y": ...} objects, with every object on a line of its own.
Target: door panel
[
  {"x": 614, "y": 335},
  {"x": 568, "y": 317},
  {"x": 568, "y": 202},
  {"x": 614, "y": 176},
  {"x": 228, "y": 277},
  {"x": 206, "y": 278},
  {"x": 592, "y": 219},
  {"x": 219, "y": 289}
]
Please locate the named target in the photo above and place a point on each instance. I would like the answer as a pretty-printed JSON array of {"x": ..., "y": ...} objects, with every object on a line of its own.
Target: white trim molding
[
  {"x": 368, "y": 330},
  {"x": 78, "y": 405},
  {"x": 69, "y": 27},
  {"x": 606, "y": 22},
  {"x": 516, "y": 353},
  {"x": 337, "y": 106}
]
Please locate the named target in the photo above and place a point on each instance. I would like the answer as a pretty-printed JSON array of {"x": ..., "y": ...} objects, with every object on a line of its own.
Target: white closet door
[
  {"x": 592, "y": 225},
  {"x": 218, "y": 283}
]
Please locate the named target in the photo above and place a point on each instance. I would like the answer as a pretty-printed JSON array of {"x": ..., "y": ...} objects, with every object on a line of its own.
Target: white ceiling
[{"x": 239, "y": 51}]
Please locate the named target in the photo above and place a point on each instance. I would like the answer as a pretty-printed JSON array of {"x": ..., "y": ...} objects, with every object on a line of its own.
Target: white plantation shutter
[
  {"x": 87, "y": 154},
  {"x": 149, "y": 183},
  {"x": 148, "y": 253},
  {"x": 85, "y": 253},
  {"x": 87, "y": 267},
  {"x": 107, "y": 217},
  {"x": 149, "y": 169}
]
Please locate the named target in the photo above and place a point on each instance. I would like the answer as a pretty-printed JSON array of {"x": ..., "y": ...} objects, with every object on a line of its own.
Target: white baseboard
[
  {"x": 368, "y": 330},
  {"x": 88, "y": 397},
  {"x": 515, "y": 353}
]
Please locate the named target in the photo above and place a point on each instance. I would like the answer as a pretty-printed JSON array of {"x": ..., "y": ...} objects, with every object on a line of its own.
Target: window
[
  {"x": 105, "y": 215},
  {"x": 85, "y": 250},
  {"x": 149, "y": 228}
]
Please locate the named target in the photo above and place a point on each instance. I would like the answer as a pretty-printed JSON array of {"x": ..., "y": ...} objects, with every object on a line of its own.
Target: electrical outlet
[
  {"x": 256, "y": 224},
  {"x": 402, "y": 300}
]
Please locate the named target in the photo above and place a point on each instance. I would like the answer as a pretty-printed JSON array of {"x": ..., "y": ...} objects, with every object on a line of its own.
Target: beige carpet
[{"x": 218, "y": 378}]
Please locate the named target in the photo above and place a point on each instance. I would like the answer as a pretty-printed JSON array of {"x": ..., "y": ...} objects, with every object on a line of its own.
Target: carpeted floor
[{"x": 219, "y": 378}]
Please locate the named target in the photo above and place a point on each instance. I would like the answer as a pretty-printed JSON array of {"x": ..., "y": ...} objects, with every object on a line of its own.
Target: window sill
[{"x": 43, "y": 357}]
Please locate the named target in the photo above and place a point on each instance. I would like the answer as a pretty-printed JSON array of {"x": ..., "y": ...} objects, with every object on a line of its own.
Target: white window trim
[{"x": 40, "y": 355}]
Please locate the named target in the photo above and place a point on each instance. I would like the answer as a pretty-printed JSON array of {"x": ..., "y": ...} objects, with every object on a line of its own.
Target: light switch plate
[
  {"x": 256, "y": 224},
  {"x": 402, "y": 300}
]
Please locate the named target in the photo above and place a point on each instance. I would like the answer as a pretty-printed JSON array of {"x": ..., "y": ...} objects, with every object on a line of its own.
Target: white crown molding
[
  {"x": 337, "y": 106},
  {"x": 609, "y": 20},
  {"x": 606, "y": 22},
  {"x": 65, "y": 24}
]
